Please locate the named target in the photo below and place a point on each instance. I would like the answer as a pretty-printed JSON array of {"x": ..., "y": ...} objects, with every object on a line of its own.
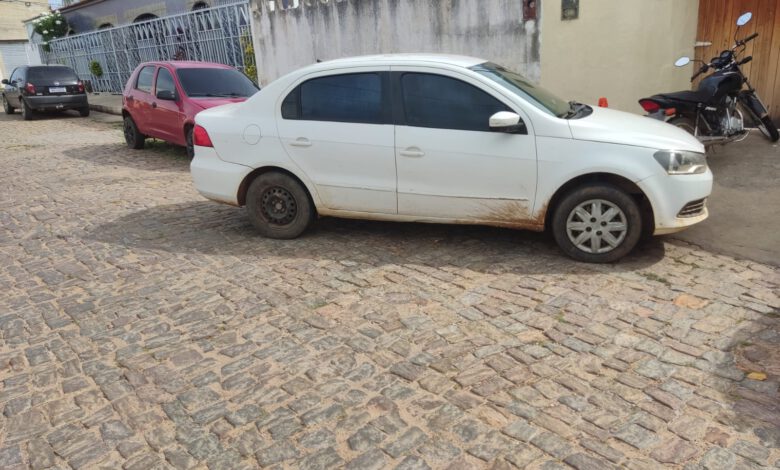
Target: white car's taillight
[{"x": 201, "y": 138}]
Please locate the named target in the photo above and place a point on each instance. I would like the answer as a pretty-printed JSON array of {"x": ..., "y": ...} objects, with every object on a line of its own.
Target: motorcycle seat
[{"x": 690, "y": 96}]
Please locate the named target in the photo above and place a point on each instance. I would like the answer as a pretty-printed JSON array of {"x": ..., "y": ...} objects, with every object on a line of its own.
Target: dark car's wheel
[
  {"x": 7, "y": 106},
  {"x": 190, "y": 145},
  {"x": 278, "y": 206},
  {"x": 597, "y": 223},
  {"x": 134, "y": 139},
  {"x": 84, "y": 112},
  {"x": 769, "y": 129},
  {"x": 27, "y": 112}
]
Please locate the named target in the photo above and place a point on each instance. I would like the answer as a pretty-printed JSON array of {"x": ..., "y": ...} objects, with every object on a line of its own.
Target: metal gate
[{"x": 220, "y": 34}]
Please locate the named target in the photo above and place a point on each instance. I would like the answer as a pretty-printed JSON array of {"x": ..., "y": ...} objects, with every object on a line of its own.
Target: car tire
[
  {"x": 134, "y": 139},
  {"x": 189, "y": 144},
  {"x": 84, "y": 112},
  {"x": 27, "y": 112},
  {"x": 769, "y": 129},
  {"x": 279, "y": 206},
  {"x": 586, "y": 215},
  {"x": 7, "y": 106}
]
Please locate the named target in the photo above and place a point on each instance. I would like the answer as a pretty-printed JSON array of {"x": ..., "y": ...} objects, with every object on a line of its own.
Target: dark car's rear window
[
  {"x": 60, "y": 74},
  {"x": 202, "y": 83}
]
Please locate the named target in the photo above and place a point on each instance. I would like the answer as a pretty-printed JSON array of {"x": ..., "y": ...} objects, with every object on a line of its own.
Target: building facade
[
  {"x": 89, "y": 15},
  {"x": 619, "y": 49},
  {"x": 580, "y": 50},
  {"x": 15, "y": 49}
]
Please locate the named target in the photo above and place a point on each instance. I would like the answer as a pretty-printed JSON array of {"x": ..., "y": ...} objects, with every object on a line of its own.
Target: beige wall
[
  {"x": 12, "y": 15},
  {"x": 621, "y": 49}
]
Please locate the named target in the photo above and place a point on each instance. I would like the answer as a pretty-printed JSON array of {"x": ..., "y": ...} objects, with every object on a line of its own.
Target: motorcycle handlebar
[
  {"x": 745, "y": 60},
  {"x": 747, "y": 39},
  {"x": 703, "y": 69}
]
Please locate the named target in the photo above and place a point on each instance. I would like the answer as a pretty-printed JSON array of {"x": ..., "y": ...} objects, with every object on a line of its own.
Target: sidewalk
[{"x": 106, "y": 103}]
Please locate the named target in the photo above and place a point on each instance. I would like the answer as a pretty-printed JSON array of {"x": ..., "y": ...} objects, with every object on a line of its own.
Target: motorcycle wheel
[
  {"x": 683, "y": 123},
  {"x": 769, "y": 129}
]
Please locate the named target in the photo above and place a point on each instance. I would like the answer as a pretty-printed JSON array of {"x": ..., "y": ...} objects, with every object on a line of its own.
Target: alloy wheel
[{"x": 596, "y": 226}]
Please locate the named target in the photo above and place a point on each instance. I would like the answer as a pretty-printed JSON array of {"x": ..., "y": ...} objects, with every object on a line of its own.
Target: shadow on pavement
[
  {"x": 156, "y": 156},
  {"x": 744, "y": 207},
  {"x": 752, "y": 352},
  {"x": 211, "y": 228}
]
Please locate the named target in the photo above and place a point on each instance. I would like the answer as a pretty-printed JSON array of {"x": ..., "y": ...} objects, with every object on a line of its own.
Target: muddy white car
[{"x": 448, "y": 139}]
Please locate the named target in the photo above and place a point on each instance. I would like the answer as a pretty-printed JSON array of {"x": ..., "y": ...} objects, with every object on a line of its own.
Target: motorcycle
[{"x": 713, "y": 113}]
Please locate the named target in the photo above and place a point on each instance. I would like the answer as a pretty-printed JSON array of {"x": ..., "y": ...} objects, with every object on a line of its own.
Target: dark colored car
[
  {"x": 161, "y": 99},
  {"x": 44, "y": 88}
]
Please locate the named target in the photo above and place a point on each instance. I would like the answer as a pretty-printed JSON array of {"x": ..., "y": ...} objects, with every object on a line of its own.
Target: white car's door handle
[
  {"x": 413, "y": 152},
  {"x": 301, "y": 142}
]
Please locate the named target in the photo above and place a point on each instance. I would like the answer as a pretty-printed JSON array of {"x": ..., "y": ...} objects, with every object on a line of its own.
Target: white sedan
[{"x": 448, "y": 139}]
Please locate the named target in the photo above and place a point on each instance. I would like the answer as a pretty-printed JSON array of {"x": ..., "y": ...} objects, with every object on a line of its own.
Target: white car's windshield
[{"x": 534, "y": 94}]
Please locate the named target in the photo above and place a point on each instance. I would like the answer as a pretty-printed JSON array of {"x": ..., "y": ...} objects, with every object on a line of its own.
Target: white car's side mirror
[
  {"x": 507, "y": 121},
  {"x": 682, "y": 62}
]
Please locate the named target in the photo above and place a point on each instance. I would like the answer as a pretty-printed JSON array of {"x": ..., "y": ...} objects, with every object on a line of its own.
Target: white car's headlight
[{"x": 677, "y": 162}]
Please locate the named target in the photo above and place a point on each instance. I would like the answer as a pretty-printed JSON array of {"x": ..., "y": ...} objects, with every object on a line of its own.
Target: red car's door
[
  {"x": 166, "y": 116},
  {"x": 139, "y": 101}
]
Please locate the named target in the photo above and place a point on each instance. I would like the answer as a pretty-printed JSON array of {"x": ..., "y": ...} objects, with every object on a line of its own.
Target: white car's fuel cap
[{"x": 252, "y": 134}]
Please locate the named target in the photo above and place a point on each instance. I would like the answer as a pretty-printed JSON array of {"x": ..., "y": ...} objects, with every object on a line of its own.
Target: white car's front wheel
[{"x": 597, "y": 223}]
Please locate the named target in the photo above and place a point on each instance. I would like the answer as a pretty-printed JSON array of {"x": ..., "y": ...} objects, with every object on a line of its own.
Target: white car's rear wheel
[
  {"x": 278, "y": 206},
  {"x": 597, "y": 224}
]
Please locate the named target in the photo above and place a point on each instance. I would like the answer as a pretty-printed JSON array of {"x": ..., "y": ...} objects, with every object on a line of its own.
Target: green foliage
[
  {"x": 95, "y": 68},
  {"x": 50, "y": 26},
  {"x": 250, "y": 69}
]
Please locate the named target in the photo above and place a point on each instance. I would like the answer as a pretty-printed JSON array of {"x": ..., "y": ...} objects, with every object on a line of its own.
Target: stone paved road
[{"x": 144, "y": 327}]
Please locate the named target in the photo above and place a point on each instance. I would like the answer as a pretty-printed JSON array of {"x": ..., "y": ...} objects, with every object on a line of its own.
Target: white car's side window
[
  {"x": 354, "y": 98},
  {"x": 442, "y": 102}
]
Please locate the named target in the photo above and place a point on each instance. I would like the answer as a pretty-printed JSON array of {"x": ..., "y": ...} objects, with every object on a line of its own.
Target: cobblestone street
[{"x": 143, "y": 327}]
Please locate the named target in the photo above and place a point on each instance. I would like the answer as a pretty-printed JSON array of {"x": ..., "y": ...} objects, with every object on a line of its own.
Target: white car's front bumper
[
  {"x": 669, "y": 194},
  {"x": 217, "y": 179}
]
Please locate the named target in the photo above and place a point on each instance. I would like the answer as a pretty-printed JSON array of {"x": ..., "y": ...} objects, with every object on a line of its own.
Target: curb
[{"x": 101, "y": 108}]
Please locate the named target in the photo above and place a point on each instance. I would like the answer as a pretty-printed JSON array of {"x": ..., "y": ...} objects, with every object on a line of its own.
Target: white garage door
[{"x": 14, "y": 55}]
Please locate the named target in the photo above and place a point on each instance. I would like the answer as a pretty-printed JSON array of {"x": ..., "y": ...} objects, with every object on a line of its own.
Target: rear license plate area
[{"x": 58, "y": 90}]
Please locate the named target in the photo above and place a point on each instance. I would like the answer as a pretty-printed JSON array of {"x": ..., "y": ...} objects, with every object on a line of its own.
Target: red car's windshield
[{"x": 216, "y": 83}]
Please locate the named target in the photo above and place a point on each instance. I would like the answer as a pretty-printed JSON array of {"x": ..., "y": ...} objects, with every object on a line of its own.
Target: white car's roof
[{"x": 401, "y": 59}]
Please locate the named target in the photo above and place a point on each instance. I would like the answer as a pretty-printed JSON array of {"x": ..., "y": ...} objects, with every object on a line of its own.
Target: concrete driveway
[{"x": 745, "y": 204}]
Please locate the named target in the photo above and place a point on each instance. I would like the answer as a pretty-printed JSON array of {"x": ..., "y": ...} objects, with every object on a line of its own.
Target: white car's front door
[
  {"x": 450, "y": 165},
  {"x": 338, "y": 130}
]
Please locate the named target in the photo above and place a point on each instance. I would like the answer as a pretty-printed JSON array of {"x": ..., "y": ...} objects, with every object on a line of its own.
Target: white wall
[
  {"x": 621, "y": 49},
  {"x": 493, "y": 29}
]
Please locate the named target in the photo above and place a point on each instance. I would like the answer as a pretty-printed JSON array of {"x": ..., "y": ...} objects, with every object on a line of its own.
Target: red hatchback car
[{"x": 161, "y": 99}]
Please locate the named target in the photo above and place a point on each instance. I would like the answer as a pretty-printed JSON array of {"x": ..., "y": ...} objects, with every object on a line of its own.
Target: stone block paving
[{"x": 143, "y": 327}]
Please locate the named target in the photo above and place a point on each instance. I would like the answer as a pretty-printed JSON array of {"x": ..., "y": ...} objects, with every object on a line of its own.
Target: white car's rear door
[{"x": 337, "y": 127}]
